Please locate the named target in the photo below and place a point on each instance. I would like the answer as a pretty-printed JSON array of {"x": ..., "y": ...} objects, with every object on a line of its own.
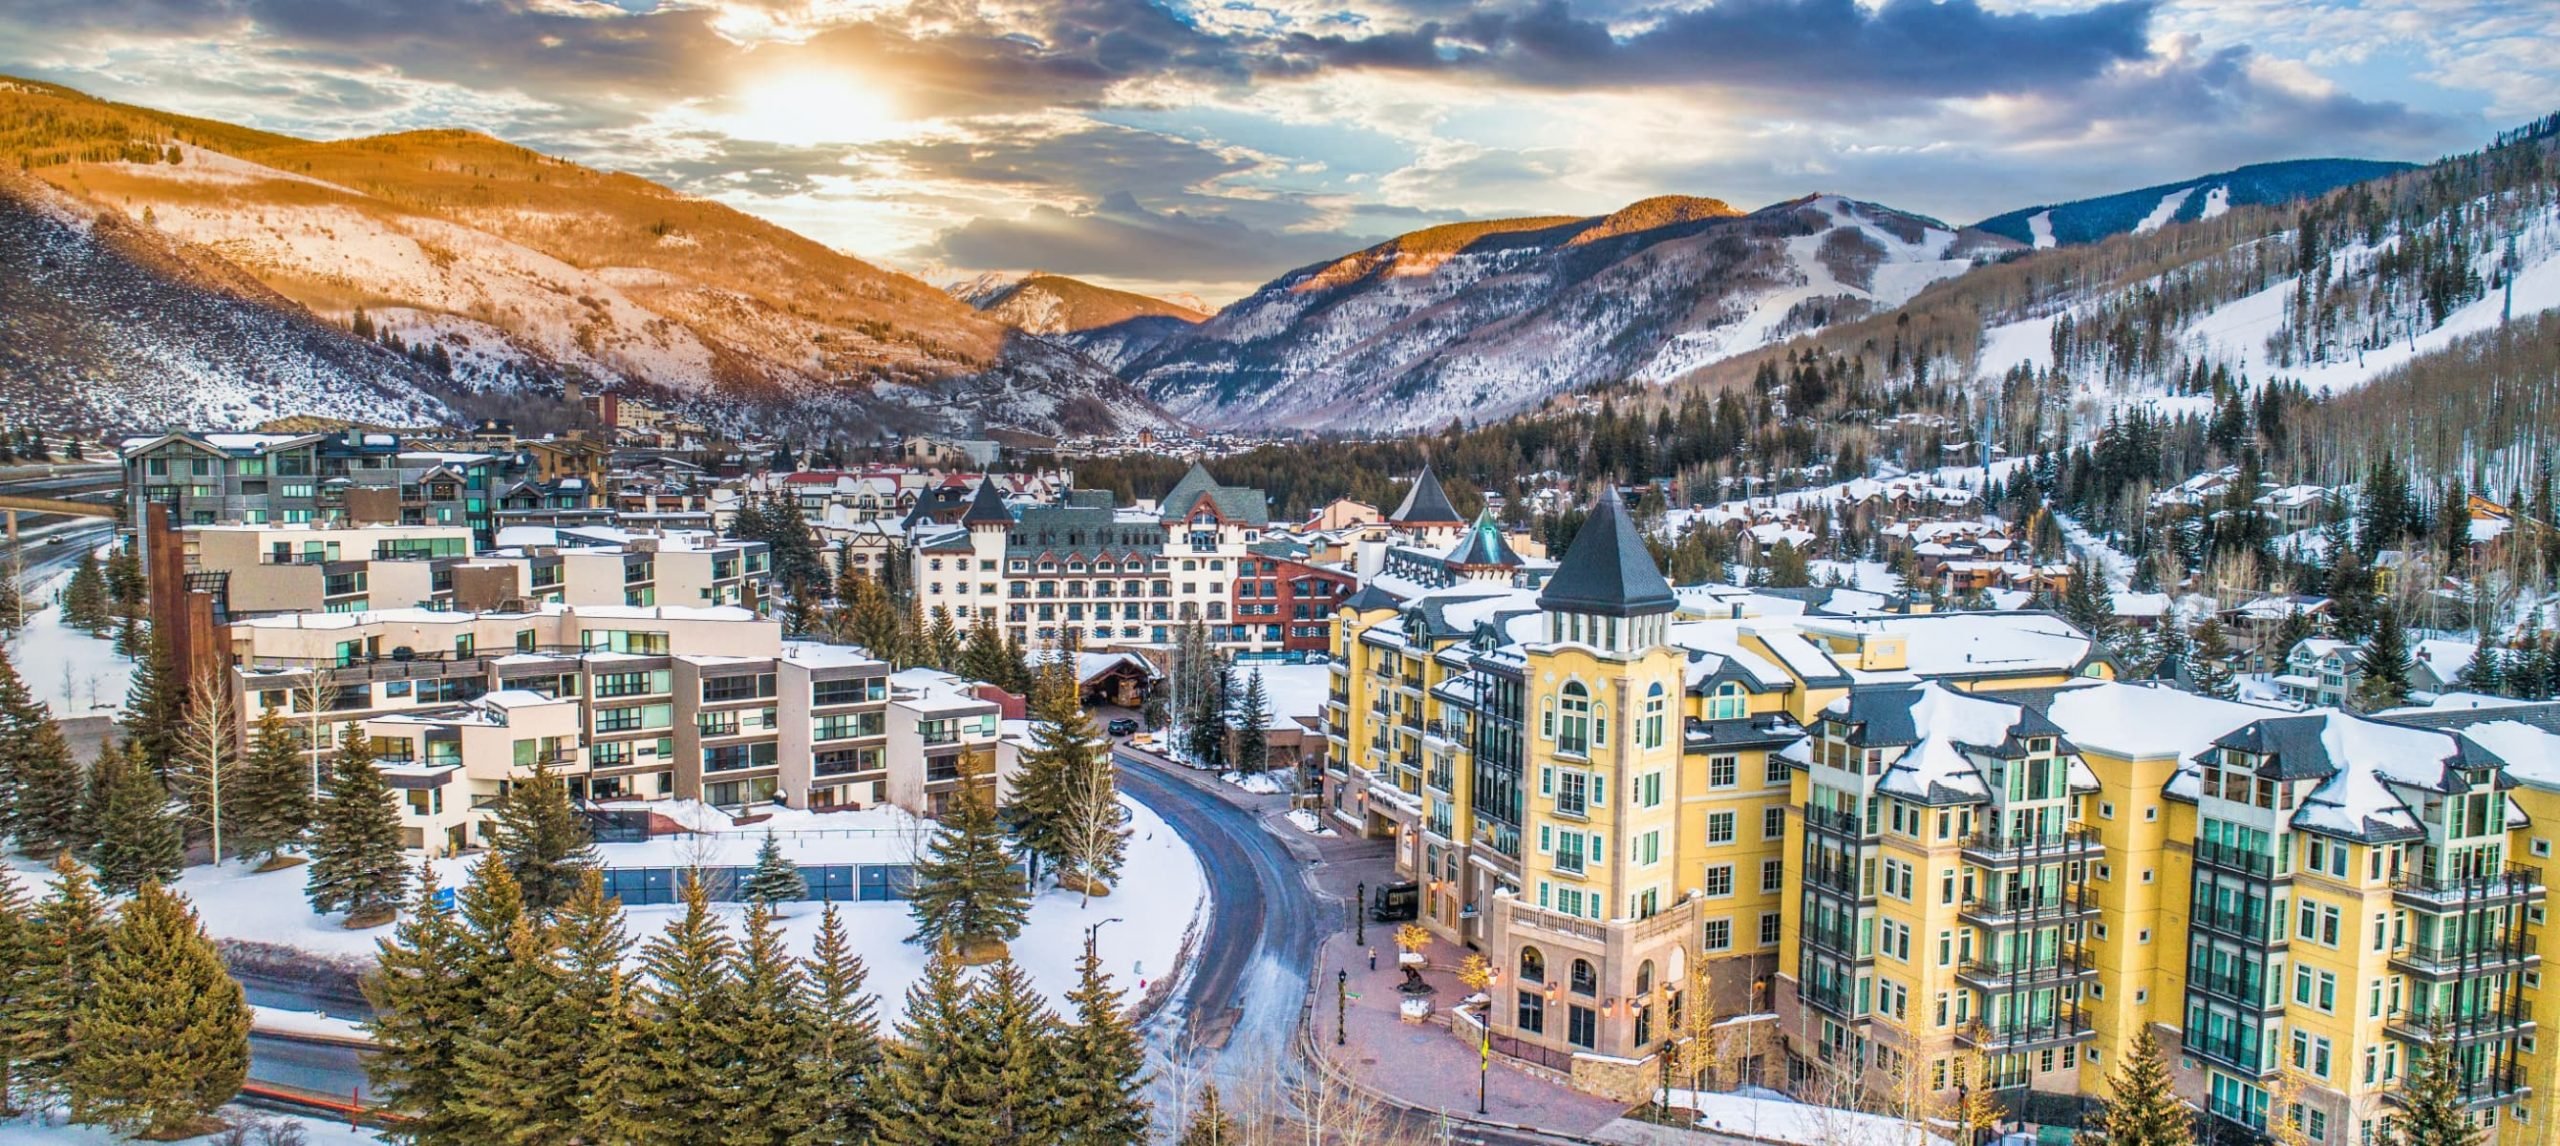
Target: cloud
[{"x": 1119, "y": 239}]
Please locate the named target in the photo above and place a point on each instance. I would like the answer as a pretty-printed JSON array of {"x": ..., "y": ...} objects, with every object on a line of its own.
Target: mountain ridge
[{"x": 2185, "y": 200}]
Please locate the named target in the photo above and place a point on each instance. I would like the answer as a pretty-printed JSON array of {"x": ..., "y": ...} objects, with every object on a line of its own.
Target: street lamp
[
  {"x": 1360, "y": 917},
  {"x": 1094, "y": 933},
  {"x": 1341, "y": 1005}
]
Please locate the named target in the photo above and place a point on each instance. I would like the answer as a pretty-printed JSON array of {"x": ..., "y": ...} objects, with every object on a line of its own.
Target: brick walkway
[{"x": 1423, "y": 1065}]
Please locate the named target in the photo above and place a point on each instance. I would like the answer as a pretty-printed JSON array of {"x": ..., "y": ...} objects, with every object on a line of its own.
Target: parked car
[{"x": 1122, "y": 726}]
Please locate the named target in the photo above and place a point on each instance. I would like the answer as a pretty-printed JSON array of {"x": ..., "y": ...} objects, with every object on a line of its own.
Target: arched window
[
  {"x": 1729, "y": 703},
  {"x": 1573, "y": 730},
  {"x": 1599, "y": 726},
  {"x": 1533, "y": 966},
  {"x": 1644, "y": 977},
  {"x": 1654, "y": 703},
  {"x": 1586, "y": 981}
]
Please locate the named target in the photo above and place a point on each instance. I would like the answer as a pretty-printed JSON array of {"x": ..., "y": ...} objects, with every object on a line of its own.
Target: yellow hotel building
[{"x": 1903, "y": 841}]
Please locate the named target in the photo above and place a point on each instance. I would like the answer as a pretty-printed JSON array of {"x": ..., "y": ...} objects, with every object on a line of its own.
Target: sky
[{"x": 1207, "y": 147}]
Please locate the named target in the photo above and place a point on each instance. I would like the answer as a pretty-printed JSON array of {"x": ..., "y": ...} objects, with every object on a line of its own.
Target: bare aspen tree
[{"x": 208, "y": 751}]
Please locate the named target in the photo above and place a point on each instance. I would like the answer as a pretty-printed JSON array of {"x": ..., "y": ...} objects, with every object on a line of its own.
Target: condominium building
[
  {"x": 707, "y": 704},
  {"x": 1915, "y": 845},
  {"x": 272, "y": 568}
]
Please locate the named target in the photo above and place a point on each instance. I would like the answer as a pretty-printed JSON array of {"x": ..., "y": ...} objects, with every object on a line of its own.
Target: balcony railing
[
  {"x": 2514, "y": 881},
  {"x": 1837, "y": 822},
  {"x": 2238, "y": 1051},
  {"x": 2260, "y": 864},
  {"x": 2248, "y": 989},
  {"x": 2422, "y": 1024},
  {"x": 2250, "y": 923},
  {"x": 1994, "y": 847},
  {"x": 2028, "y": 907},
  {"x": 2065, "y": 1024},
  {"x": 1841, "y": 879},
  {"x": 2067, "y": 963},
  {"x": 2443, "y": 959}
]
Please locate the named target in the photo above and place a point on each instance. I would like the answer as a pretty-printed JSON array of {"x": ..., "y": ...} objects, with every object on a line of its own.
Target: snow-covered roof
[{"x": 2145, "y": 721}]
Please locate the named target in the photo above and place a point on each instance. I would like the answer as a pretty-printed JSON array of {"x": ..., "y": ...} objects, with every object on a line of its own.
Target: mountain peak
[{"x": 1658, "y": 211}]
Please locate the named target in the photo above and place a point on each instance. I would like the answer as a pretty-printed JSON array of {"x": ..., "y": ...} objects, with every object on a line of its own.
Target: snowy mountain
[
  {"x": 2204, "y": 197},
  {"x": 1476, "y": 320},
  {"x": 1110, "y": 326},
  {"x": 107, "y": 323},
  {"x": 525, "y": 269}
]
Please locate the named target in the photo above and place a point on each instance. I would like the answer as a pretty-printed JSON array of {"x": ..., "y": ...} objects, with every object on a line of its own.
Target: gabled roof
[
  {"x": 986, "y": 507},
  {"x": 1607, "y": 570},
  {"x": 1372, "y": 597},
  {"x": 1483, "y": 545},
  {"x": 1426, "y": 503},
  {"x": 1233, "y": 502}
]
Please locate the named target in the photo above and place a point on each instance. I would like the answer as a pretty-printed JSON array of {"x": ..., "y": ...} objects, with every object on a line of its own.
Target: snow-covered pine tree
[
  {"x": 775, "y": 879},
  {"x": 355, "y": 847},
  {"x": 2437, "y": 1114},
  {"x": 840, "y": 1075},
  {"x": 1044, "y": 793},
  {"x": 2141, "y": 1108},
  {"x": 766, "y": 1098},
  {"x": 274, "y": 808},
  {"x": 162, "y": 1039},
  {"x": 155, "y": 707},
  {"x": 84, "y": 600},
  {"x": 544, "y": 841},
  {"x": 2209, "y": 664},
  {"x": 966, "y": 890},
  {"x": 1102, "y": 1074},
  {"x": 933, "y": 1088},
  {"x": 418, "y": 1012},
  {"x": 138, "y": 838},
  {"x": 692, "y": 1052}
]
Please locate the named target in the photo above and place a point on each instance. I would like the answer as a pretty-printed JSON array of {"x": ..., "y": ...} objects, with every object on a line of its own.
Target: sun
[{"x": 808, "y": 108}]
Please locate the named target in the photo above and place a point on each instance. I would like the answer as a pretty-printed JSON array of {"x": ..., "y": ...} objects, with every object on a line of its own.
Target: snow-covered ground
[
  {"x": 1161, "y": 891},
  {"x": 72, "y": 672},
  {"x": 2117, "y": 566},
  {"x": 1770, "y": 1117},
  {"x": 27, "y": 1131}
]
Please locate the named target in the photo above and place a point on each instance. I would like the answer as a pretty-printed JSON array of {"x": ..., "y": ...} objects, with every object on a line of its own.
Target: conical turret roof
[
  {"x": 1483, "y": 544},
  {"x": 1607, "y": 571},
  {"x": 987, "y": 507},
  {"x": 1426, "y": 504}
]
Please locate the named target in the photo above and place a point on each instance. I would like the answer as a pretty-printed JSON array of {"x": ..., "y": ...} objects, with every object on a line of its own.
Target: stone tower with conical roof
[
  {"x": 1607, "y": 592},
  {"x": 1426, "y": 516}
]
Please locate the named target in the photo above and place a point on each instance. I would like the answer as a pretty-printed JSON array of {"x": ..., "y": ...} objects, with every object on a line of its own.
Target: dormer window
[{"x": 1728, "y": 703}]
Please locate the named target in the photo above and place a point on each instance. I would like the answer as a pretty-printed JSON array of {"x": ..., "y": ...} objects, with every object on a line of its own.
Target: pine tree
[
  {"x": 612, "y": 1107},
  {"x": 942, "y": 641},
  {"x": 516, "y": 1061},
  {"x": 933, "y": 1088},
  {"x": 1210, "y": 1124},
  {"x": 983, "y": 657},
  {"x": 840, "y": 1076},
  {"x": 2142, "y": 1108},
  {"x": 1253, "y": 727},
  {"x": 966, "y": 891},
  {"x": 84, "y": 601},
  {"x": 2438, "y": 1114},
  {"x": 355, "y": 846},
  {"x": 43, "y": 779},
  {"x": 1014, "y": 1039},
  {"x": 692, "y": 1054},
  {"x": 776, "y": 879},
  {"x": 2453, "y": 525},
  {"x": 138, "y": 839},
  {"x": 766, "y": 1098},
  {"x": 1102, "y": 1065},
  {"x": 162, "y": 1040},
  {"x": 2087, "y": 601},
  {"x": 1044, "y": 792},
  {"x": 2387, "y": 666},
  {"x": 71, "y": 938},
  {"x": 545, "y": 843},
  {"x": 2209, "y": 665},
  {"x": 25, "y": 1016},
  {"x": 419, "y": 1010},
  {"x": 155, "y": 707},
  {"x": 274, "y": 808}
]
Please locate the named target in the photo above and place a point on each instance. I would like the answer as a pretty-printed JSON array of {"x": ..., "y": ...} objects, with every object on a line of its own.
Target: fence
[{"x": 827, "y": 883}]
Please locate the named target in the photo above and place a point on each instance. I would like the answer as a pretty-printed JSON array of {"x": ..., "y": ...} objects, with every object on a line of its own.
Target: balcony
[
  {"x": 2496, "y": 1085},
  {"x": 2065, "y": 1025},
  {"x": 2068, "y": 965},
  {"x": 1845, "y": 825},
  {"x": 2248, "y": 989},
  {"x": 2511, "y": 883},
  {"x": 2259, "y": 864},
  {"x": 1838, "y": 879},
  {"x": 2028, "y": 908},
  {"x": 2460, "y": 1028},
  {"x": 2250, "y": 925},
  {"x": 1841, "y": 941},
  {"x": 2454, "y": 960},
  {"x": 2239, "y": 1052},
  {"x": 1998, "y": 849}
]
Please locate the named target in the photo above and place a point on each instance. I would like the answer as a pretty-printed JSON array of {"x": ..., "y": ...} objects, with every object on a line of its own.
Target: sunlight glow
[{"x": 807, "y": 108}]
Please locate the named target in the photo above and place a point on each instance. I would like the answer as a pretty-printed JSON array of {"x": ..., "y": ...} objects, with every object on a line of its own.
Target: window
[
  {"x": 1723, "y": 771},
  {"x": 1770, "y": 923},
  {"x": 1728, "y": 703},
  {"x": 1776, "y": 776},
  {"x": 1585, "y": 979},
  {"x": 1773, "y": 823},
  {"x": 1773, "y": 875},
  {"x": 745, "y": 686},
  {"x": 1649, "y": 790},
  {"x": 1582, "y": 1026},
  {"x": 1719, "y": 827},
  {"x": 1653, "y": 710},
  {"x": 1533, "y": 966},
  {"x": 1719, "y": 935},
  {"x": 1720, "y": 880},
  {"x": 856, "y": 691},
  {"x": 1533, "y": 1012},
  {"x": 1573, "y": 729}
]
